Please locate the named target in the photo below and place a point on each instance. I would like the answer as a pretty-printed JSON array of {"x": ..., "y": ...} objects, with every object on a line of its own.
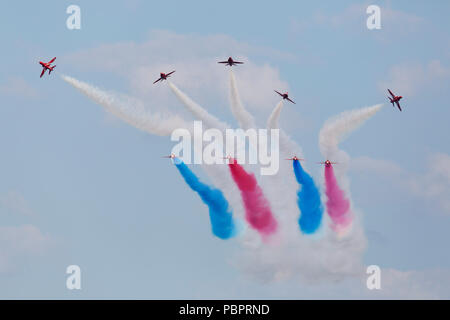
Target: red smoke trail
[
  {"x": 257, "y": 208},
  {"x": 338, "y": 206}
]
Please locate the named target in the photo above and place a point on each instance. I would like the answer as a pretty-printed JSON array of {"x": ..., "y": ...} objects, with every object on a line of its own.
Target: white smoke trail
[
  {"x": 337, "y": 128},
  {"x": 129, "y": 109},
  {"x": 287, "y": 145},
  {"x": 283, "y": 186},
  {"x": 197, "y": 110},
  {"x": 245, "y": 119},
  {"x": 274, "y": 118},
  {"x": 133, "y": 112},
  {"x": 202, "y": 114},
  {"x": 334, "y": 131}
]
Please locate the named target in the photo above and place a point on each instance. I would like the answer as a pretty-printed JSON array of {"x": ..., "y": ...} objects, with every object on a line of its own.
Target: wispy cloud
[
  {"x": 15, "y": 202},
  {"x": 353, "y": 19},
  {"x": 431, "y": 185},
  {"x": 18, "y": 87},
  {"x": 18, "y": 244},
  {"x": 411, "y": 78}
]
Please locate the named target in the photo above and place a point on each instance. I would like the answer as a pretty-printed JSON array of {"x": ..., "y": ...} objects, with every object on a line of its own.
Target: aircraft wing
[
  {"x": 398, "y": 105},
  {"x": 291, "y": 100},
  {"x": 237, "y": 62},
  {"x": 222, "y": 62},
  {"x": 278, "y": 92},
  {"x": 42, "y": 73},
  {"x": 52, "y": 60},
  {"x": 393, "y": 95},
  {"x": 170, "y": 73},
  {"x": 157, "y": 80}
]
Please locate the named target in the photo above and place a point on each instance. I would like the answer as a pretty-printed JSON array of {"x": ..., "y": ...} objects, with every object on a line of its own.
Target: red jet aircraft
[
  {"x": 295, "y": 158},
  {"x": 230, "y": 62},
  {"x": 47, "y": 66},
  {"x": 285, "y": 96},
  {"x": 395, "y": 99},
  {"x": 327, "y": 163},
  {"x": 163, "y": 76}
]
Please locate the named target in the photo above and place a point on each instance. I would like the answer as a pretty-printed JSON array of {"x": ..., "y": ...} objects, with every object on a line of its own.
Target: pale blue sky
[{"x": 100, "y": 196}]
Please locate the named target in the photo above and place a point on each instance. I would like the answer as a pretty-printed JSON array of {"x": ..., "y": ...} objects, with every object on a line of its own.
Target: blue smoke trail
[
  {"x": 222, "y": 223},
  {"x": 308, "y": 200}
]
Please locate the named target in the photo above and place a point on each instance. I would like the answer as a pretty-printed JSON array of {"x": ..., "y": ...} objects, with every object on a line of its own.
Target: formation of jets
[
  {"x": 229, "y": 62},
  {"x": 327, "y": 163},
  {"x": 47, "y": 66}
]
